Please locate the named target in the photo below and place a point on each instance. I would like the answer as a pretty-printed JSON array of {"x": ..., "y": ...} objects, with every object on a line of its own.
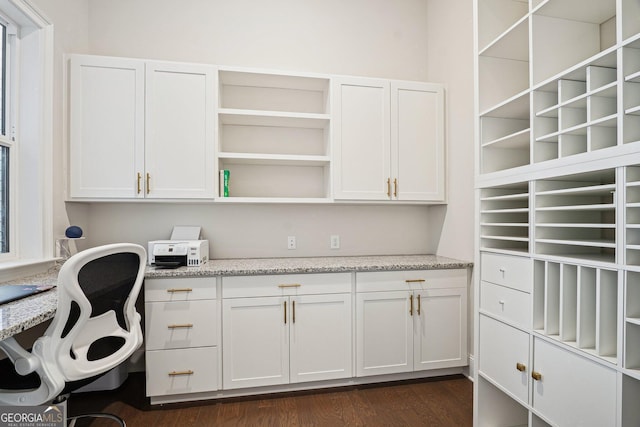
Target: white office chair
[{"x": 95, "y": 328}]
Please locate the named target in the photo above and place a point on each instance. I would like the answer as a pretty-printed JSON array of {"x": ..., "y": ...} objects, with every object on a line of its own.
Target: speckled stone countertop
[
  {"x": 258, "y": 266},
  {"x": 22, "y": 314}
]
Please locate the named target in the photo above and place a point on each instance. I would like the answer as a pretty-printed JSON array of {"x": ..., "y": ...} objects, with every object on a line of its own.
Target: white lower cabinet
[
  {"x": 571, "y": 390},
  {"x": 181, "y": 336},
  {"x": 504, "y": 357},
  {"x": 419, "y": 326},
  {"x": 301, "y": 335}
]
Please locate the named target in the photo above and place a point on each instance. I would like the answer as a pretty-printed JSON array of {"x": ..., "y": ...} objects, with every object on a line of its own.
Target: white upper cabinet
[
  {"x": 179, "y": 155},
  {"x": 388, "y": 140},
  {"x": 141, "y": 129},
  {"x": 107, "y": 126},
  {"x": 417, "y": 141},
  {"x": 361, "y": 139}
]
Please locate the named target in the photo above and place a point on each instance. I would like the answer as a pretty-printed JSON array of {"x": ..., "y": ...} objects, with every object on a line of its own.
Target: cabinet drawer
[
  {"x": 509, "y": 304},
  {"x": 182, "y": 371},
  {"x": 504, "y": 356},
  {"x": 377, "y": 281},
  {"x": 182, "y": 289},
  {"x": 512, "y": 271},
  {"x": 285, "y": 284},
  {"x": 180, "y": 324}
]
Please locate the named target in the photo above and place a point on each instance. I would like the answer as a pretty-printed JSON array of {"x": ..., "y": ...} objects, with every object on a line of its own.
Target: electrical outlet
[
  {"x": 335, "y": 242},
  {"x": 291, "y": 242}
]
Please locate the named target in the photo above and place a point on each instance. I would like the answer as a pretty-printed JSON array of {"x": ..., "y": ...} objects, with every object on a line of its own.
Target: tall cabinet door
[
  {"x": 320, "y": 337},
  {"x": 255, "y": 343},
  {"x": 361, "y": 139},
  {"x": 106, "y": 127},
  {"x": 384, "y": 333},
  {"x": 180, "y": 117},
  {"x": 417, "y": 141},
  {"x": 441, "y": 328}
]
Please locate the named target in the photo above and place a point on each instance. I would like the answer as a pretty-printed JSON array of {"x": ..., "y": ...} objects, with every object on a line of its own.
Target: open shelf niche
[
  {"x": 577, "y": 305},
  {"x": 504, "y": 219},
  {"x": 568, "y": 32},
  {"x": 631, "y": 91},
  {"x": 632, "y": 323},
  {"x": 575, "y": 216},
  {"x": 274, "y": 134},
  {"x": 576, "y": 112}
]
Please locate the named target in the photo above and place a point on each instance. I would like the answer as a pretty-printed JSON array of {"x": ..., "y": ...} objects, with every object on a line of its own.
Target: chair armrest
[{"x": 23, "y": 361}]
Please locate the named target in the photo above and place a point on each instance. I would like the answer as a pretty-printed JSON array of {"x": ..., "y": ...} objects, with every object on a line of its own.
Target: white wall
[
  {"x": 398, "y": 39},
  {"x": 71, "y": 34}
]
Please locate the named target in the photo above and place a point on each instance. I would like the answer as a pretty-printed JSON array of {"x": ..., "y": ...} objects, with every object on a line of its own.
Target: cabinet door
[
  {"x": 417, "y": 141},
  {"x": 179, "y": 155},
  {"x": 320, "y": 337},
  {"x": 255, "y": 344},
  {"x": 573, "y": 390},
  {"x": 384, "y": 329},
  {"x": 361, "y": 139},
  {"x": 504, "y": 356},
  {"x": 106, "y": 149},
  {"x": 440, "y": 317}
]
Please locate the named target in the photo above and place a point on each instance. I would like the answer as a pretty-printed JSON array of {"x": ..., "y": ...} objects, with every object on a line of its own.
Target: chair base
[{"x": 71, "y": 421}]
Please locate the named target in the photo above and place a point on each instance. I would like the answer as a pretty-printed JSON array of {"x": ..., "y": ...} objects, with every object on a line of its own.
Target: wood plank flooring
[{"x": 439, "y": 402}]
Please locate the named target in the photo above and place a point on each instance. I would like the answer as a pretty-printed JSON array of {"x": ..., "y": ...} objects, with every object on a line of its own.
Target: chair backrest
[{"x": 96, "y": 326}]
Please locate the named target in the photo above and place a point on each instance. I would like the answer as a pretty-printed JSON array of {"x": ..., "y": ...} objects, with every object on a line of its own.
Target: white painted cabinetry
[
  {"x": 106, "y": 148},
  {"x": 410, "y": 321},
  {"x": 141, "y": 129},
  {"x": 286, "y": 329},
  {"x": 388, "y": 140},
  {"x": 557, "y": 144},
  {"x": 179, "y": 131},
  {"x": 182, "y": 336},
  {"x": 144, "y": 129}
]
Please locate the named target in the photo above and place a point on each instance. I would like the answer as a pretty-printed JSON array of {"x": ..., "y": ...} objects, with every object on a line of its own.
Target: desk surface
[{"x": 25, "y": 313}]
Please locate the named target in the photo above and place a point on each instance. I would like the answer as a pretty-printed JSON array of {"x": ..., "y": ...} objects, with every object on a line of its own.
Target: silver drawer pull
[
  {"x": 174, "y": 290},
  {"x": 181, "y": 326},
  {"x": 179, "y": 373},
  {"x": 290, "y": 285},
  {"x": 414, "y": 280}
]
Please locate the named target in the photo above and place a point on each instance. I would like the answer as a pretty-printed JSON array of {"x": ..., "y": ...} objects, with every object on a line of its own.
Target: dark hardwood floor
[{"x": 439, "y": 402}]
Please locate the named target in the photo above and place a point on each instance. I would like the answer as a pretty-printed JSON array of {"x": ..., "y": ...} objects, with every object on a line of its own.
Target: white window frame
[
  {"x": 31, "y": 169},
  {"x": 9, "y": 139}
]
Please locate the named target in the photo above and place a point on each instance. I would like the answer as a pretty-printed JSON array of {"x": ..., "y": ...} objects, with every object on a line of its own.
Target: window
[
  {"x": 26, "y": 139},
  {"x": 7, "y": 32}
]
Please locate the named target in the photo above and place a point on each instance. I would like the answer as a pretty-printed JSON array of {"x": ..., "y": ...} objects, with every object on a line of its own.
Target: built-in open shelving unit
[
  {"x": 558, "y": 149},
  {"x": 274, "y": 134}
]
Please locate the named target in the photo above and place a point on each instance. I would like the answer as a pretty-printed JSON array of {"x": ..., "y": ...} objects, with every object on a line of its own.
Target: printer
[
  {"x": 179, "y": 251},
  {"x": 174, "y": 253}
]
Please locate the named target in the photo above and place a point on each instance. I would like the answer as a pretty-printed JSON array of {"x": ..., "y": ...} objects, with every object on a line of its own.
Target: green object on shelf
[{"x": 224, "y": 183}]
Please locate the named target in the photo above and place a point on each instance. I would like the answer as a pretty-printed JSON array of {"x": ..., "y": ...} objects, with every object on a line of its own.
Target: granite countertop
[
  {"x": 25, "y": 313},
  {"x": 22, "y": 314},
  {"x": 259, "y": 266}
]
